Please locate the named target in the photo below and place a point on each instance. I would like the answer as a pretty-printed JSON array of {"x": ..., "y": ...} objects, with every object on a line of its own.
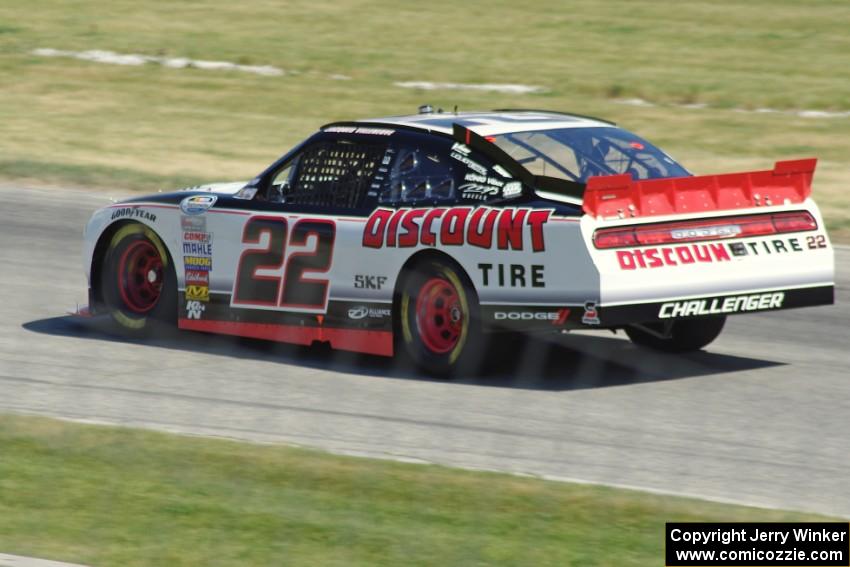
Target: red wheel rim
[
  {"x": 439, "y": 315},
  {"x": 140, "y": 274}
]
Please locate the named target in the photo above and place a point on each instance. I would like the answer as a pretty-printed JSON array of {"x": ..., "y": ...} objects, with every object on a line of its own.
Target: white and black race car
[{"x": 422, "y": 234}]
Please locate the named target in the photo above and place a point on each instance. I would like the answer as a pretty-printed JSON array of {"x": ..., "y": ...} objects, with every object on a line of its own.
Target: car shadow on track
[{"x": 557, "y": 363}]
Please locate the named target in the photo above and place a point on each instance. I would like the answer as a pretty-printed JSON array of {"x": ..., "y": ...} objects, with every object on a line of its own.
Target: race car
[{"x": 424, "y": 235}]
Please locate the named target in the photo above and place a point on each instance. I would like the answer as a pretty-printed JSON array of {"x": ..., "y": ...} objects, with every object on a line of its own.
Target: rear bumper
[
  {"x": 715, "y": 305},
  {"x": 713, "y": 277},
  {"x": 533, "y": 318}
]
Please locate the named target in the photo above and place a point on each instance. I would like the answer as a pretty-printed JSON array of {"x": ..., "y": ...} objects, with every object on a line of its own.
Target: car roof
[{"x": 492, "y": 123}]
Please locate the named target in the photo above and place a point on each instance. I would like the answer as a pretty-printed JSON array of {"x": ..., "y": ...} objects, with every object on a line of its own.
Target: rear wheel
[
  {"x": 138, "y": 280},
  {"x": 439, "y": 320},
  {"x": 677, "y": 336}
]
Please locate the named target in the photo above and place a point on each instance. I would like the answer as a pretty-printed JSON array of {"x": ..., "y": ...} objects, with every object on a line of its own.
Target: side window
[
  {"x": 417, "y": 175},
  {"x": 540, "y": 154},
  {"x": 630, "y": 156},
  {"x": 282, "y": 182},
  {"x": 428, "y": 169},
  {"x": 334, "y": 174}
]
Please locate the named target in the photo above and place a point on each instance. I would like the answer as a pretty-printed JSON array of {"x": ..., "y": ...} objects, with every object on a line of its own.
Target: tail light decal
[
  {"x": 618, "y": 196},
  {"x": 743, "y": 226}
]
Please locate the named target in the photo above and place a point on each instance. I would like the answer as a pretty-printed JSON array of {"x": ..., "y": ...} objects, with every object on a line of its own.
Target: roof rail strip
[
  {"x": 385, "y": 125},
  {"x": 573, "y": 114}
]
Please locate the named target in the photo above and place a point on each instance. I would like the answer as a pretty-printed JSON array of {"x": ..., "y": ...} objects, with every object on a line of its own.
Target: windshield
[{"x": 579, "y": 153}]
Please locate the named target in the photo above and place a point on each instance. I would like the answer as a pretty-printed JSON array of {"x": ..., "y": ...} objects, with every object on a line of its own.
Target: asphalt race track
[{"x": 762, "y": 417}]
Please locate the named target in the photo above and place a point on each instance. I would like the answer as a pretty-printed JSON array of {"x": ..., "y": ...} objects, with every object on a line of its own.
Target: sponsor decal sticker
[
  {"x": 197, "y": 277},
  {"x": 133, "y": 212},
  {"x": 197, "y": 248},
  {"x": 198, "y": 293},
  {"x": 362, "y": 312},
  {"x": 461, "y": 148},
  {"x": 480, "y": 187},
  {"x": 556, "y": 317},
  {"x": 502, "y": 171},
  {"x": 563, "y": 314},
  {"x": 706, "y": 232},
  {"x": 476, "y": 191},
  {"x": 527, "y": 315},
  {"x": 460, "y": 152},
  {"x": 504, "y": 228},
  {"x": 362, "y": 281},
  {"x": 197, "y": 204},
  {"x": 591, "y": 315},
  {"x": 512, "y": 189},
  {"x": 361, "y": 130},
  {"x": 662, "y": 256},
  {"x": 721, "y": 305},
  {"x": 194, "y": 309},
  {"x": 198, "y": 263},
  {"x": 775, "y": 246},
  {"x": 672, "y": 256},
  {"x": 476, "y": 178},
  {"x": 512, "y": 275},
  {"x": 195, "y": 223},
  {"x": 197, "y": 236}
]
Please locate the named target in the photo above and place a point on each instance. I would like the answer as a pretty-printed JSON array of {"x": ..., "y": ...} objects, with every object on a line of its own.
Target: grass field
[
  {"x": 148, "y": 127},
  {"x": 108, "y": 496}
]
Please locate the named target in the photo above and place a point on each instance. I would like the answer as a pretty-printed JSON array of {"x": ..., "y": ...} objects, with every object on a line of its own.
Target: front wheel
[
  {"x": 138, "y": 280},
  {"x": 677, "y": 336},
  {"x": 439, "y": 320}
]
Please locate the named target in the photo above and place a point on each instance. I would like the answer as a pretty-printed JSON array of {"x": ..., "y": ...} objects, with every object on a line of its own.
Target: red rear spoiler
[{"x": 618, "y": 196}]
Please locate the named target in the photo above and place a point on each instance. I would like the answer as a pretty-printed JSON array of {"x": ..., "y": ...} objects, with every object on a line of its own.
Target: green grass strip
[{"x": 113, "y": 496}]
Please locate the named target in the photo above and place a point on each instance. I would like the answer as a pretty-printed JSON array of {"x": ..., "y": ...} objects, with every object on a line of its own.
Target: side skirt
[{"x": 356, "y": 340}]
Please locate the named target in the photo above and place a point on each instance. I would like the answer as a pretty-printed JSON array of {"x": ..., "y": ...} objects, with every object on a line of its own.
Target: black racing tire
[
  {"x": 438, "y": 321},
  {"x": 138, "y": 281},
  {"x": 685, "y": 335}
]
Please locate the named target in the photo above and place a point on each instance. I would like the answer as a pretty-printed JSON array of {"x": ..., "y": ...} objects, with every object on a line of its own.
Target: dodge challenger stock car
[{"x": 423, "y": 235}]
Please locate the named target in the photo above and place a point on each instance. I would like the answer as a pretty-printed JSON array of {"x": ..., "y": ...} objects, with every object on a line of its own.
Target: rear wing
[{"x": 618, "y": 196}]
